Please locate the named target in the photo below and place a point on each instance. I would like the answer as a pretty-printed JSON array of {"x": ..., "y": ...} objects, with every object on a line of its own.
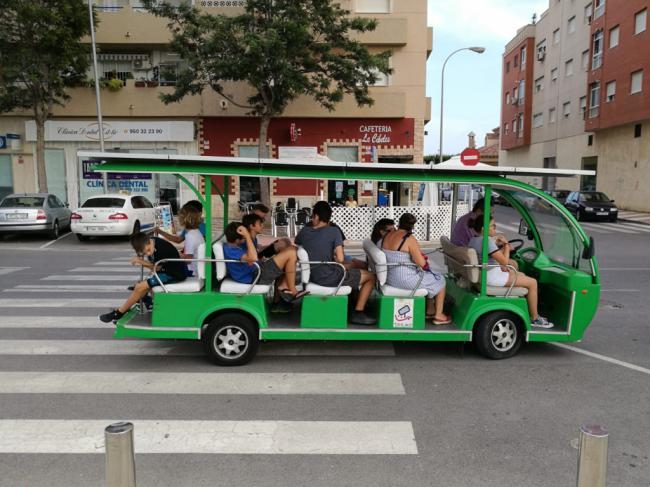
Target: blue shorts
[{"x": 164, "y": 278}]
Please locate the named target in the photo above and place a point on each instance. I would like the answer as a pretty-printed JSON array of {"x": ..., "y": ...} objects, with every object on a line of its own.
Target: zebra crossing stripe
[
  {"x": 8, "y": 270},
  {"x": 106, "y": 269},
  {"x": 214, "y": 437},
  {"x": 199, "y": 383},
  {"x": 636, "y": 226},
  {"x": 96, "y": 278},
  {"x": 113, "y": 263},
  {"x": 51, "y": 322},
  {"x": 170, "y": 348},
  {"x": 615, "y": 227},
  {"x": 67, "y": 290},
  {"x": 592, "y": 228},
  {"x": 58, "y": 303}
]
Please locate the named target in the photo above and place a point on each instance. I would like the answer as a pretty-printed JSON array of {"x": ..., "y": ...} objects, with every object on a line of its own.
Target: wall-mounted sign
[
  {"x": 3, "y": 142},
  {"x": 292, "y": 152},
  {"x": 114, "y": 131},
  {"x": 375, "y": 134}
]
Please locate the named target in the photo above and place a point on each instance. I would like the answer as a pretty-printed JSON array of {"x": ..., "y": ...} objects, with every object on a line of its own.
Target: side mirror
[
  {"x": 611, "y": 201},
  {"x": 590, "y": 250},
  {"x": 67, "y": 205},
  {"x": 525, "y": 230}
]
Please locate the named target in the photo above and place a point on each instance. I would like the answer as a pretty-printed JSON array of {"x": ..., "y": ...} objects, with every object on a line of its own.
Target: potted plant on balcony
[
  {"x": 151, "y": 83},
  {"x": 141, "y": 83}
]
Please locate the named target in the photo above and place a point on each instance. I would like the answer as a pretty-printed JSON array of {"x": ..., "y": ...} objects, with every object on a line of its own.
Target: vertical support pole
[
  {"x": 225, "y": 199},
  {"x": 486, "y": 231},
  {"x": 120, "y": 459},
  {"x": 454, "y": 204},
  {"x": 592, "y": 456},
  {"x": 207, "y": 206}
]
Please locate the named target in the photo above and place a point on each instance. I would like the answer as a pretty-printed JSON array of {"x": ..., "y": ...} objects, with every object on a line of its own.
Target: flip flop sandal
[
  {"x": 444, "y": 322},
  {"x": 285, "y": 295}
]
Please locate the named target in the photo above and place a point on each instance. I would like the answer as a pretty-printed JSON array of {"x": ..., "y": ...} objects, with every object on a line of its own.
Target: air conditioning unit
[
  {"x": 141, "y": 64},
  {"x": 541, "y": 54}
]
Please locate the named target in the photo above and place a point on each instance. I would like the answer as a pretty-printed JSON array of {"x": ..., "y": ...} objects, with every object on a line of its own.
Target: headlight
[
  {"x": 588, "y": 208},
  {"x": 613, "y": 210}
]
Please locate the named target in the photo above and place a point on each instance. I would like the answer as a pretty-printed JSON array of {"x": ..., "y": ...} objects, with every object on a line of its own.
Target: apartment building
[
  {"x": 590, "y": 99},
  {"x": 133, "y": 46}
]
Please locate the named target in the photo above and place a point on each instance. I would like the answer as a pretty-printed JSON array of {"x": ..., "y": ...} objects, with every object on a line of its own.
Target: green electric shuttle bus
[{"x": 231, "y": 318}]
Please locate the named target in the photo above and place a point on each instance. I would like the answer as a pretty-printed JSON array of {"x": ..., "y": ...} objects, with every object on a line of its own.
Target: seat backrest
[
  {"x": 200, "y": 266},
  {"x": 303, "y": 260},
  {"x": 302, "y": 217},
  {"x": 217, "y": 247},
  {"x": 457, "y": 257},
  {"x": 281, "y": 218},
  {"x": 376, "y": 261}
]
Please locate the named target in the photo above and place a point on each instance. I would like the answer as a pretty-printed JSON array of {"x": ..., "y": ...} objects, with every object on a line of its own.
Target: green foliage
[
  {"x": 436, "y": 158},
  {"x": 40, "y": 53},
  {"x": 113, "y": 84},
  {"x": 281, "y": 48}
]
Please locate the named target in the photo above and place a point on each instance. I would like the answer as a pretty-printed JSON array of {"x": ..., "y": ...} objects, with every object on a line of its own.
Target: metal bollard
[
  {"x": 592, "y": 456},
  {"x": 120, "y": 460}
]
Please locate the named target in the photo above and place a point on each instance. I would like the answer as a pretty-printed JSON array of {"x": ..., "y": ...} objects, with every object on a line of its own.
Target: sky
[{"x": 472, "y": 81}]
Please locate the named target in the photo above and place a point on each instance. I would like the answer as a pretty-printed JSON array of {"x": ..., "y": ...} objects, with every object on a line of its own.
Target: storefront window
[
  {"x": 6, "y": 176},
  {"x": 55, "y": 173},
  {"x": 249, "y": 188},
  {"x": 338, "y": 191}
]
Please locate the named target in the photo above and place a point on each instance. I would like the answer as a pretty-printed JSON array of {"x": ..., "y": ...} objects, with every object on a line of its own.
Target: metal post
[
  {"x": 100, "y": 120},
  {"x": 142, "y": 306},
  {"x": 592, "y": 456},
  {"x": 454, "y": 203},
  {"x": 120, "y": 460}
]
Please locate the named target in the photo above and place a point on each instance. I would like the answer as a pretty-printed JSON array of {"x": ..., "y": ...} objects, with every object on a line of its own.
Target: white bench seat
[
  {"x": 190, "y": 284},
  {"x": 316, "y": 290},
  {"x": 228, "y": 285}
]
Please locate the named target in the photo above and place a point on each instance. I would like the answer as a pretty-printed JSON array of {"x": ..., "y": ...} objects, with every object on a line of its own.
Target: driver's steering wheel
[
  {"x": 519, "y": 243},
  {"x": 528, "y": 254}
]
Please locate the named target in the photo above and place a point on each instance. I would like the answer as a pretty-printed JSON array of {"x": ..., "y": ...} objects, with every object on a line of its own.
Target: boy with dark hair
[
  {"x": 149, "y": 250},
  {"x": 192, "y": 205},
  {"x": 261, "y": 211},
  {"x": 240, "y": 246},
  {"x": 324, "y": 243}
]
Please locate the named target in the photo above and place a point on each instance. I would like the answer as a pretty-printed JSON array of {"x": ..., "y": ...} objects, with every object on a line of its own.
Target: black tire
[
  {"x": 231, "y": 339},
  {"x": 498, "y": 335},
  {"x": 614, "y": 219},
  {"x": 55, "y": 232},
  {"x": 579, "y": 215},
  {"x": 82, "y": 238},
  {"x": 136, "y": 227}
]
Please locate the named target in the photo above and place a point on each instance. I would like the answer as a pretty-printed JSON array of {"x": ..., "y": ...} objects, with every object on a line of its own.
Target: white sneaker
[{"x": 541, "y": 322}]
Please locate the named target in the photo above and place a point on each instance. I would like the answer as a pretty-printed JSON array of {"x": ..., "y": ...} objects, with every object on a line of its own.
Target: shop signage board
[{"x": 114, "y": 131}]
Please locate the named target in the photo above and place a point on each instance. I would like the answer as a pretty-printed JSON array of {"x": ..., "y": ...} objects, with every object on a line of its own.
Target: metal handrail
[
  {"x": 402, "y": 264},
  {"x": 233, "y": 261},
  {"x": 319, "y": 262},
  {"x": 487, "y": 266}
]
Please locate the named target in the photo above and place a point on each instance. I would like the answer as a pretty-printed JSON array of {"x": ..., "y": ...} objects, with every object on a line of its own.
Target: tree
[
  {"x": 281, "y": 49},
  {"x": 435, "y": 159},
  {"x": 40, "y": 56}
]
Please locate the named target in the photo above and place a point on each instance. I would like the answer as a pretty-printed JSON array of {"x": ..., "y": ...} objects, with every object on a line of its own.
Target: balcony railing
[
  {"x": 597, "y": 60},
  {"x": 600, "y": 10},
  {"x": 594, "y": 111}
]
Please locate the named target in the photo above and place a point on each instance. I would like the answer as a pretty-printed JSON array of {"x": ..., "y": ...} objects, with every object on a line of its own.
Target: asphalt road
[{"x": 435, "y": 416}]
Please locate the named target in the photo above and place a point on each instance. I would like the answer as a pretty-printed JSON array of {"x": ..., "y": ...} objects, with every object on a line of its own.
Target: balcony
[
  {"x": 389, "y": 32},
  {"x": 597, "y": 61},
  {"x": 600, "y": 10},
  {"x": 594, "y": 111},
  {"x": 123, "y": 23}
]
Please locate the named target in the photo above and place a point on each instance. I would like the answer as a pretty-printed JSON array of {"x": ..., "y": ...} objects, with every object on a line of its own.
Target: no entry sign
[{"x": 470, "y": 157}]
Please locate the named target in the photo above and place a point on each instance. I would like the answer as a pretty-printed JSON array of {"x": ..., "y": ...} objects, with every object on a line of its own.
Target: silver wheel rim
[
  {"x": 504, "y": 335},
  {"x": 231, "y": 342}
]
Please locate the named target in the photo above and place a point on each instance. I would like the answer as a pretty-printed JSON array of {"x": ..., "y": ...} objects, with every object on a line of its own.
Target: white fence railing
[{"x": 432, "y": 221}]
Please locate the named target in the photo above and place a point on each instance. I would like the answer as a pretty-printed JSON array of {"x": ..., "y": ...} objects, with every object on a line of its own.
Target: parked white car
[
  {"x": 113, "y": 214},
  {"x": 33, "y": 212}
]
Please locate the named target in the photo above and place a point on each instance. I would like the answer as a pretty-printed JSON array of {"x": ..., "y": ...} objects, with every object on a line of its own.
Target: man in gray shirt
[{"x": 324, "y": 243}]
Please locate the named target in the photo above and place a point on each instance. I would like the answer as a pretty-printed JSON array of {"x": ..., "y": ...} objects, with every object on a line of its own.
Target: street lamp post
[
  {"x": 100, "y": 120},
  {"x": 478, "y": 50}
]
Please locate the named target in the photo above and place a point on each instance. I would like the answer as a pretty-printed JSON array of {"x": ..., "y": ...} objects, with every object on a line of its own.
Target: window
[
  {"x": 556, "y": 36},
  {"x": 551, "y": 115},
  {"x": 508, "y": 98},
  {"x": 597, "y": 56},
  {"x": 553, "y": 74},
  {"x": 640, "y": 21},
  {"x": 568, "y": 68},
  {"x": 599, "y": 8},
  {"x": 637, "y": 131},
  {"x": 521, "y": 91},
  {"x": 372, "y": 6},
  {"x": 585, "y": 60},
  {"x": 506, "y": 128},
  {"x": 590, "y": 140},
  {"x": 515, "y": 61},
  {"x": 613, "y": 36},
  {"x": 610, "y": 91},
  {"x": 539, "y": 84},
  {"x": 566, "y": 109},
  {"x": 521, "y": 125},
  {"x": 514, "y": 95},
  {"x": 538, "y": 120},
  {"x": 168, "y": 74},
  {"x": 588, "y": 13},
  {"x": 571, "y": 25},
  {"x": 637, "y": 82},
  {"x": 583, "y": 106},
  {"x": 522, "y": 58},
  {"x": 508, "y": 67},
  {"x": 541, "y": 50},
  {"x": 594, "y": 99},
  {"x": 381, "y": 79}
]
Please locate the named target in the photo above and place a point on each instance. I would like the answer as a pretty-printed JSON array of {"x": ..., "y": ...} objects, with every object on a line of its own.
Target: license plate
[
  {"x": 602, "y": 213},
  {"x": 95, "y": 228},
  {"x": 17, "y": 216}
]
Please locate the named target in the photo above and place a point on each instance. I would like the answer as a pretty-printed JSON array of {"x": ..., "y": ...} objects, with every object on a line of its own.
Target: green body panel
[
  {"x": 324, "y": 312},
  {"x": 367, "y": 335},
  {"x": 386, "y": 307}
]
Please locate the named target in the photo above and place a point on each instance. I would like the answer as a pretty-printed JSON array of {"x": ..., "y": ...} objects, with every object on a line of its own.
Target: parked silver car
[{"x": 34, "y": 212}]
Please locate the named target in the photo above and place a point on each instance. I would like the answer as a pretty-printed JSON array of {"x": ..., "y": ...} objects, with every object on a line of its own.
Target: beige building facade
[{"x": 133, "y": 47}]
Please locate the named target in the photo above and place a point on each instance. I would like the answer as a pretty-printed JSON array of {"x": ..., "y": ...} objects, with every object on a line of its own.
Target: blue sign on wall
[{"x": 3, "y": 142}]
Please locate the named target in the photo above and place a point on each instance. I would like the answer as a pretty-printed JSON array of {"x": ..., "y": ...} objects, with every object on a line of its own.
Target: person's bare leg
[
  {"x": 367, "y": 284},
  {"x": 286, "y": 260},
  {"x": 139, "y": 291},
  {"x": 430, "y": 306},
  {"x": 440, "y": 306},
  {"x": 530, "y": 284}
]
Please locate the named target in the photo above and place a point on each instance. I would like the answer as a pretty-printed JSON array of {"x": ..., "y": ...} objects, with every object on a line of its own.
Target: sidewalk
[{"x": 634, "y": 216}]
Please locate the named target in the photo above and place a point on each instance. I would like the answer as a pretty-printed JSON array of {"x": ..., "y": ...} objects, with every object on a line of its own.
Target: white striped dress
[{"x": 406, "y": 277}]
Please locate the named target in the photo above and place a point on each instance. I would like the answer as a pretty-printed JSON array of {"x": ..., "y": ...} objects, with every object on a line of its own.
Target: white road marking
[
  {"x": 122, "y": 258},
  {"x": 591, "y": 229},
  {"x": 125, "y": 277},
  {"x": 65, "y": 290},
  {"x": 214, "y": 437},
  {"x": 51, "y": 322},
  {"x": 508, "y": 227},
  {"x": 44, "y": 246},
  {"x": 95, "y": 287},
  {"x": 58, "y": 303},
  {"x": 106, "y": 269},
  {"x": 159, "y": 347},
  {"x": 604, "y": 358},
  {"x": 636, "y": 226},
  {"x": 113, "y": 263},
  {"x": 8, "y": 270},
  {"x": 620, "y": 290},
  {"x": 615, "y": 227},
  {"x": 627, "y": 269},
  {"x": 199, "y": 383}
]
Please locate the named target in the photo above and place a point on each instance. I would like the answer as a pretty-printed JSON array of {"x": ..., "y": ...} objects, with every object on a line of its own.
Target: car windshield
[
  {"x": 22, "y": 202},
  {"x": 594, "y": 198},
  {"x": 104, "y": 203},
  {"x": 560, "y": 240}
]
